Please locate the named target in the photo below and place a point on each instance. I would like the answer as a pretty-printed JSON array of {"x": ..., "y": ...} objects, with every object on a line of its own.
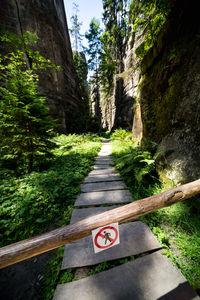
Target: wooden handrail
[{"x": 22, "y": 250}]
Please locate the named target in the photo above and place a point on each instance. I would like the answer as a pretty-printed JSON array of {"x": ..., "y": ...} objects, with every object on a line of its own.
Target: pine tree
[
  {"x": 107, "y": 66},
  {"x": 25, "y": 125},
  {"x": 114, "y": 17},
  {"x": 75, "y": 29},
  {"x": 94, "y": 50}
]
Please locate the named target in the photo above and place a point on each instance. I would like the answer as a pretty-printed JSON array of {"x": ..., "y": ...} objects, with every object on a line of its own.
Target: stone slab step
[
  {"x": 105, "y": 152},
  {"x": 152, "y": 277},
  {"x": 105, "y": 147},
  {"x": 102, "y": 178},
  {"x": 135, "y": 238},
  {"x": 106, "y": 141},
  {"x": 103, "y": 162},
  {"x": 103, "y": 171},
  {"x": 101, "y": 166},
  {"x": 103, "y": 186},
  {"x": 106, "y": 158},
  {"x": 105, "y": 197},
  {"x": 83, "y": 213}
]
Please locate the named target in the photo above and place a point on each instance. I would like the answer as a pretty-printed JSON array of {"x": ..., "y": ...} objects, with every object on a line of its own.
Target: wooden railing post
[{"x": 31, "y": 247}]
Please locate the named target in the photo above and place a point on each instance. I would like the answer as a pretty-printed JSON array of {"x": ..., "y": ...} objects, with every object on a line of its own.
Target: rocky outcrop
[
  {"x": 47, "y": 19},
  {"x": 170, "y": 95},
  {"x": 162, "y": 94},
  {"x": 118, "y": 110}
]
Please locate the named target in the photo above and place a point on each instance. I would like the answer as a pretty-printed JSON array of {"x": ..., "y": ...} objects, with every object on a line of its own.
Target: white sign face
[{"x": 105, "y": 237}]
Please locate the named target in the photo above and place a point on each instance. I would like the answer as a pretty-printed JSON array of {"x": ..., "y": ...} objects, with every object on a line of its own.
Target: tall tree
[
  {"x": 76, "y": 27},
  {"x": 94, "y": 41},
  {"x": 107, "y": 66},
  {"x": 115, "y": 22},
  {"x": 82, "y": 71},
  {"x": 25, "y": 125}
]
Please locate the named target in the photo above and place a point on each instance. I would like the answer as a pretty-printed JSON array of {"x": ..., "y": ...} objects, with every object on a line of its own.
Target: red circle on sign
[{"x": 98, "y": 234}]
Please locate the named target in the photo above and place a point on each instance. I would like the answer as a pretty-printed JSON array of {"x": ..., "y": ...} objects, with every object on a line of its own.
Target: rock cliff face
[
  {"x": 161, "y": 93},
  {"x": 47, "y": 19},
  {"x": 118, "y": 110},
  {"x": 170, "y": 94}
]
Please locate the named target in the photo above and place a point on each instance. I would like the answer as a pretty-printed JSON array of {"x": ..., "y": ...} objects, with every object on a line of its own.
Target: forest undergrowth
[
  {"x": 176, "y": 227},
  {"x": 32, "y": 203}
]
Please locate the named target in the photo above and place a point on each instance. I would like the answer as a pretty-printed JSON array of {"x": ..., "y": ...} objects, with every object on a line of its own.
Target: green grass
[
  {"x": 104, "y": 266},
  {"x": 52, "y": 274},
  {"x": 176, "y": 227},
  {"x": 55, "y": 276},
  {"x": 30, "y": 204},
  {"x": 69, "y": 275}
]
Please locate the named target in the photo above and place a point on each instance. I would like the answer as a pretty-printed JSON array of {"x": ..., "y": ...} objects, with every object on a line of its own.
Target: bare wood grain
[{"x": 22, "y": 250}]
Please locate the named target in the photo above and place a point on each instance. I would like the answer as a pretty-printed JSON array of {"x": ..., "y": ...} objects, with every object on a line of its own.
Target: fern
[{"x": 136, "y": 164}]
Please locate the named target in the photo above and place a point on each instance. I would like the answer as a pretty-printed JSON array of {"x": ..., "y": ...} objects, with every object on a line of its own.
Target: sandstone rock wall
[
  {"x": 162, "y": 94},
  {"x": 170, "y": 95},
  {"x": 119, "y": 109},
  {"x": 47, "y": 19}
]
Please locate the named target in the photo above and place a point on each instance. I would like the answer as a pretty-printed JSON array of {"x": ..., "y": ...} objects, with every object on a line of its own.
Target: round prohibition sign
[{"x": 100, "y": 234}]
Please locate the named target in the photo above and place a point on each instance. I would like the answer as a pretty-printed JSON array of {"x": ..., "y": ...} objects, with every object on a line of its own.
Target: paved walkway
[{"x": 150, "y": 276}]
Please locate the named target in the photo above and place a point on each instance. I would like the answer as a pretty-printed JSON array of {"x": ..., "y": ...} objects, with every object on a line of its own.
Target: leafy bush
[
  {"x": 135, "y": 164},
  {"x": 176, "y": 227},
  {"x": 121, "y": 135},
  {"x": 31, "y": 203}
]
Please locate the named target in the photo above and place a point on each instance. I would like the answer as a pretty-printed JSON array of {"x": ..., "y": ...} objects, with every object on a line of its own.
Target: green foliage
[
  {"x": 135, "y": 164},
  {"x": 25, "y": 125},
  {"x": 67, "y": 276},
  {"x": 55, "y": 276},
  {"x": 82, "y": 71},
  {"x": 107, "y": 66},
  {"x": 178, "y": 229},
  {"x": 94, "y": 43},
  {"x": 52, "y": 275},
  {"x": 31, "y": 203},
  {"x": 115, "y": 22},
  {"x": 121, "y": 135},
  {"x": 66, "y": 142},
  {"x": 104, "y": 266},
  {"x": 149, "y": 16},
  {"x": 75, "y": 29}
]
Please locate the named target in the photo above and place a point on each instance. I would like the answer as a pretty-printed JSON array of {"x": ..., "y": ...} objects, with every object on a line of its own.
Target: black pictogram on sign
[
  {"x": 103, "y": 234},
  {"x": 105, "y": 237}
]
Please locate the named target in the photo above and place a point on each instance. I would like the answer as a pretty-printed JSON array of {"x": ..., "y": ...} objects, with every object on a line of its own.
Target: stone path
[{"x": 150, "y": 276}]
